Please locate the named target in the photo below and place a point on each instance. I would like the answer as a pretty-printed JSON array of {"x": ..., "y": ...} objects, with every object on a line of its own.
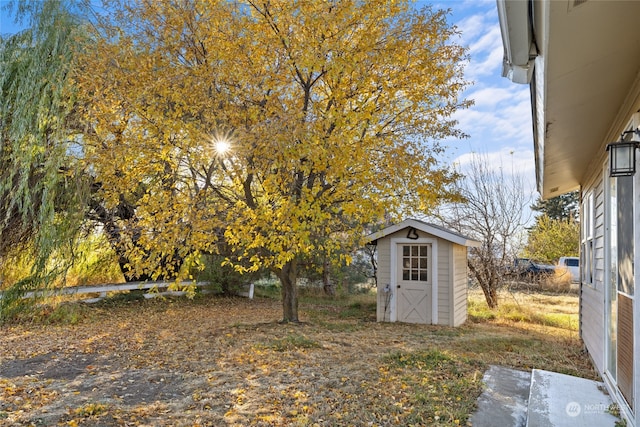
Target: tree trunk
[
  {"x": 490, "y": 294},
  {"x": 327, "y": 285},
  {"x": 487, "y": 279},
  {"x": 288, "y": 276}
]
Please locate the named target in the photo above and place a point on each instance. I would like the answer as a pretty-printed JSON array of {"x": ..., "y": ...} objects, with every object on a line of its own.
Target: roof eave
[
  {"x": 424, "y": 227},
  {"x": 517, "y": 40}
]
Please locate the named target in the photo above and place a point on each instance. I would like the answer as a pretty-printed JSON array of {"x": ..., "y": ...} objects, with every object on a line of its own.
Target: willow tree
[
  {"x": 39, "y": 188},
  {"x": 278, "y": 127}
]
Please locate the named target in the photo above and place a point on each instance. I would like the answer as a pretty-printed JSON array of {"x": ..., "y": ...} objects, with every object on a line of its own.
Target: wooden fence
[{"x": 156, "y": 289}]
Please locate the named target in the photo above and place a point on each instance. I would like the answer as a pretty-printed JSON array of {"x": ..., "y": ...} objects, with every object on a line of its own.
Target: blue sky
[
  {"x": 499, "y": 124},
  {"x": 6, "y": 23}
]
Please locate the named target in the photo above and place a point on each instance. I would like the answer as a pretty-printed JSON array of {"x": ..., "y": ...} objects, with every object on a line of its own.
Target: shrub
[{"x": 223, "y": 277}]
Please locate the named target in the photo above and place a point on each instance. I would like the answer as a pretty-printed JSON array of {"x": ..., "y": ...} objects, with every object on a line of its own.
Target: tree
[
  {"x": 48, "y": 194},
  {"x": 550, "y": 238},
  {"x": 494, "y": 213},
  {"x": 563, "y": 207},
  {"x": 329, "y": 114},
  {"x": 40, "y": 187},
  {"x": 556, "y": 232}
]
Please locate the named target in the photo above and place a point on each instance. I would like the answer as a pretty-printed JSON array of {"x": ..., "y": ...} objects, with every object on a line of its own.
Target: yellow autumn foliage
[{"x": 331, "y": 110}]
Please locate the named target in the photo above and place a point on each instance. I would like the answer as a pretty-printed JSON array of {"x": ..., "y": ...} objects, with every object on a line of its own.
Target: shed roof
[{"x": 425, "y": 227}]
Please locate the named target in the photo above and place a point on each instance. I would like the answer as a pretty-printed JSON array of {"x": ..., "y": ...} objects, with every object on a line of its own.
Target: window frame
[{"x": 586, "y": 239}]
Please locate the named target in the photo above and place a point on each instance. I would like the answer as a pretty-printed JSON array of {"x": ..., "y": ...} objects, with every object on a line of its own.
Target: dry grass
[
  {"x": 530, "y": 309},
  {"x": 219, "y": 361}
]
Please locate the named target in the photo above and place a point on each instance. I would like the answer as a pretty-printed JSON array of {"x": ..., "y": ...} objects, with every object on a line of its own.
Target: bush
[
  {"x": 223, "y": 277},
  {"x": 94, "y": 262},
  {"x": 355, "y": 278},
  {"x": 558, "y": 282}
]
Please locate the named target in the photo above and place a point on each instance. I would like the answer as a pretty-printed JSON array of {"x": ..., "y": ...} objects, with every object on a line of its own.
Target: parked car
[
  {"x": 569, "y": 265},
  {"x": 528, "y": 268}
]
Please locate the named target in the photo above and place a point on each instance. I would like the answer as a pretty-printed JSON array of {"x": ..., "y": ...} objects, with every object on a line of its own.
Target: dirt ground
[{"x": 219, "y": 361}]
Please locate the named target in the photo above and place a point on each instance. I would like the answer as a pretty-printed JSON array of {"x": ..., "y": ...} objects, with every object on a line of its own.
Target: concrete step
[
  {"x": 503, "y": 403},
  {"x": 558, "y": 400},
  {"x": 514, "y": 398}
]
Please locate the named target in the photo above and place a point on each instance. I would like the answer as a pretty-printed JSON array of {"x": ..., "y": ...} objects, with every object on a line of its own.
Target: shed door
[{"x": 414, "y": 283}]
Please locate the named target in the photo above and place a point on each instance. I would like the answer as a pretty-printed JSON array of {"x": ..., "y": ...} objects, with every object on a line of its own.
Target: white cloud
[
  {"x": 488, "y": 65},
  {"x": 486, "y": 53},
  {"x": 488, "y": 97},
  {"x": 481, "y": 34},
  {"x": 509, "y": 160},
  {"x": 500, "y": 116},
  {"x": 471, "y": 26},
  {"x": 489, "y": 39}
]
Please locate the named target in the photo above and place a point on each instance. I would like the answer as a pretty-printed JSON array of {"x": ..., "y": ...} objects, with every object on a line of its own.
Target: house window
[
  {"x": 415, "y": 263},
  {"x": 586, "y": 243}
]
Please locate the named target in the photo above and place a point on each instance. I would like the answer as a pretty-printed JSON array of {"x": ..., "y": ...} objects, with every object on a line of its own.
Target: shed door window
[{"x": 415, "y": 263}]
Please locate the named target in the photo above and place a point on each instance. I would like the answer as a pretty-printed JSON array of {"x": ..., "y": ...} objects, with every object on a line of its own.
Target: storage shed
[{"x": 422, "y": 273}]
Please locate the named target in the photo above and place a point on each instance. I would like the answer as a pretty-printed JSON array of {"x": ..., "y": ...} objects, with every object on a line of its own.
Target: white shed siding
[
  {"x": 451, "y": 266},
  {"x": 459, "y": 288},
  {"x": 592, "y": 298},
  {"x": 384, "y": 278},
  {"x": 444, "y": 281}
]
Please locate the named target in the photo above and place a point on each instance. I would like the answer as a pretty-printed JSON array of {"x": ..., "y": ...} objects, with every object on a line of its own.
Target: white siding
[
  {"x": 459, "y": 288},
  {"x": 592, "y": 324},
  {"x": 444, "y": 281},
  {"x": 592, "y": 299},
  {"x": 384, "y": 278},
  {"x": 598, "y": 240}
]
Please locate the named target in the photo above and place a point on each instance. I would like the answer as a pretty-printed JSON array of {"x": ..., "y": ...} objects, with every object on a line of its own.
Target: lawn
[{"x": 216, "y": 361}]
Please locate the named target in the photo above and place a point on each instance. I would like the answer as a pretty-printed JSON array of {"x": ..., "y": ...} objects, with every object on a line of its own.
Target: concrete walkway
[
  {"x": 558, "y": 400},
  {"x": 513, "y": 398},
  {"x": 503, "y": 403}
]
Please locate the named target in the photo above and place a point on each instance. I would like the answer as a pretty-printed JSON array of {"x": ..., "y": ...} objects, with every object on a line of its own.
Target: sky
[{"x": 499, "y": 123}]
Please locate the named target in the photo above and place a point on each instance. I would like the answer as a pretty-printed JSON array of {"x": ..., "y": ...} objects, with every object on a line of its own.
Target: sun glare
[{"x": 222, "y": 146}]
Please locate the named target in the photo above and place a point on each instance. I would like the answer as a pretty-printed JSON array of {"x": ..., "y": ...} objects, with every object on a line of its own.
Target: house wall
[
  {"x": 451, "y": 288},
  {"x": 592, "y": 298},
  {"x": 593, "y": 301}
]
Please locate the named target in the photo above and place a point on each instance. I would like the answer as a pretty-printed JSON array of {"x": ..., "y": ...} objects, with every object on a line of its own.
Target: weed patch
[
  {"x": 421, "y": 360},
  {"x": 440, "y": 388},
  {"x": 478, "y": 311},
  {"x": 293, "y": 342},
  {"x": 68, "y": 313},
  {"x": 527, "y": 308},
  {"x": 359, "y": 310},
  {"x": 90, "y": 410}
]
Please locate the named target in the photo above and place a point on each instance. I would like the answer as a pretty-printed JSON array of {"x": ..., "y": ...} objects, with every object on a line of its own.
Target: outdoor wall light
[{"x": 622, "y": 155}]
